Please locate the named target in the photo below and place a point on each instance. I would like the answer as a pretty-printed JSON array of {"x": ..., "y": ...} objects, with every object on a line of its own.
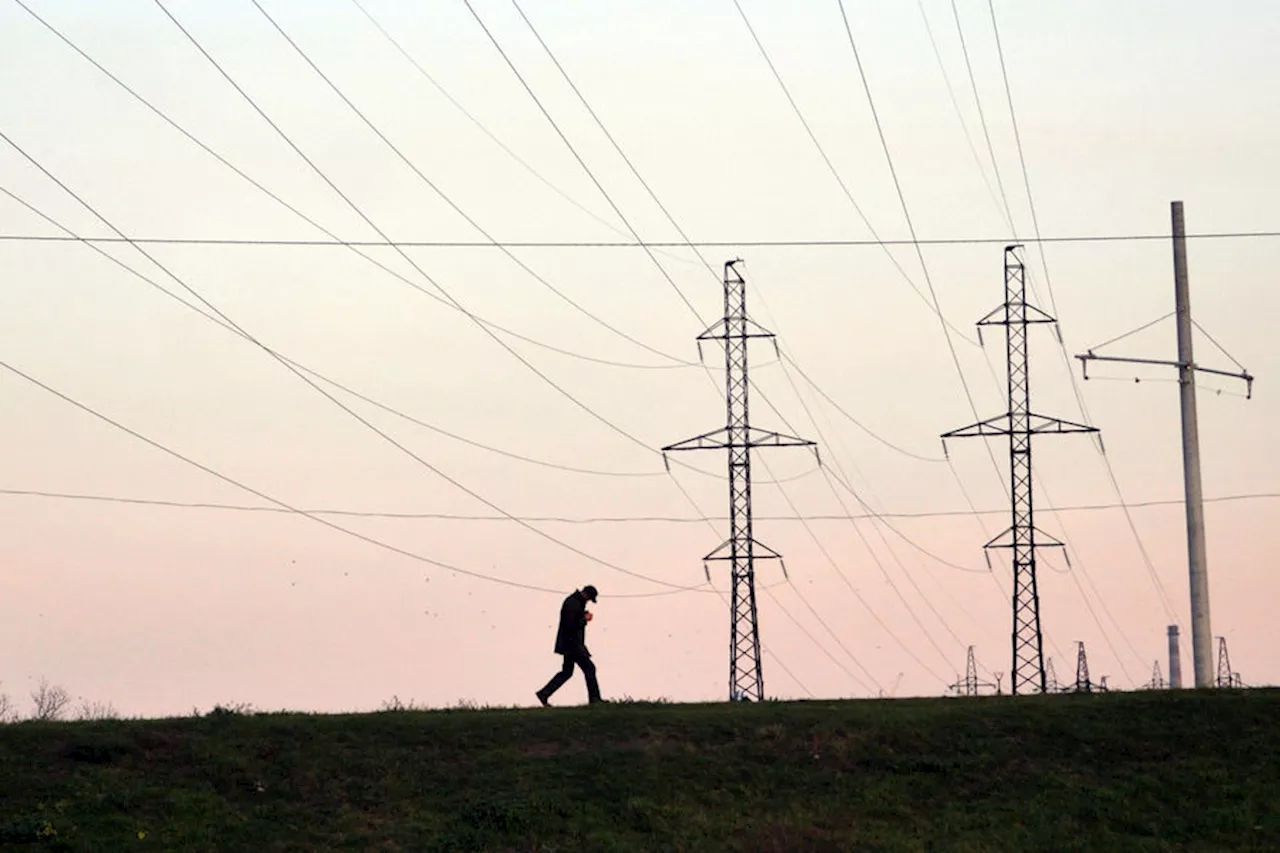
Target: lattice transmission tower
[
  {"x": 1084, "y": 684},
  {"x": 1226, "y": 677},
  {"x": 971, "y": 685},
  {"x": 1020, "y": 424},
  {"x": 741, "y": 550},
  {"x": 1052, "y": 684},
  {"x": 1157, "y": 681}
]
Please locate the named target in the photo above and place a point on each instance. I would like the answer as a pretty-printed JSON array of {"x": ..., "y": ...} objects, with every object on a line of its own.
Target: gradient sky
[{"x": 157, "y": 609}]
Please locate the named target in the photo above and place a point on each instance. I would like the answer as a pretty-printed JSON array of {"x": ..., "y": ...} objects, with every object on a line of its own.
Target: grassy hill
[{"x": 1138, "y": 771}]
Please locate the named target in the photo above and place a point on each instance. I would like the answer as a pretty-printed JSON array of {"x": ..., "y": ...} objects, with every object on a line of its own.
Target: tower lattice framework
[
  {"x": 741, "y": 550},
  {"x": 1020, "y": 424}
]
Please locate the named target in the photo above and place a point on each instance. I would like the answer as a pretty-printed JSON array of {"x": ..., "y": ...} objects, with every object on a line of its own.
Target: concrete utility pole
[{"x": 1201, "y": 634}]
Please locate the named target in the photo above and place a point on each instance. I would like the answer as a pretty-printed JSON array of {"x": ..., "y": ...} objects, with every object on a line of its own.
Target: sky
[{"x": 482, "y": 426}]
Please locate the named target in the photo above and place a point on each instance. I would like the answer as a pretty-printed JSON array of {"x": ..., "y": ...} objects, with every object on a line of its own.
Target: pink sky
[{"x": 161, "y": 609}]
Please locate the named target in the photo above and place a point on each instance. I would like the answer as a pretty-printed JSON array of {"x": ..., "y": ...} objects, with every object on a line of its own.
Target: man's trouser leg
[
  {"x": 589, "y": 672},
  {"x": 557, "y": 681}
]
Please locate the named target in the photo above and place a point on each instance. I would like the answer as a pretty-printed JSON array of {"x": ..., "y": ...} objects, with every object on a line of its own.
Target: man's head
[{"x": 589, "y": 593}]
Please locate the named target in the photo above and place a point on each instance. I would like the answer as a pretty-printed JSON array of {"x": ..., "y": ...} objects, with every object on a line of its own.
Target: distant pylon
[
  {"x": 1051, "y": 677},
  {"x": 971, "y": 685},
  {"x": 1020, "y": 424},
  {"x": 1226, "y": 676},
  {"x": 1157, "y": 681},
  {"x": 741, "y": 550},
  {"x": 1083, "y": 683}
]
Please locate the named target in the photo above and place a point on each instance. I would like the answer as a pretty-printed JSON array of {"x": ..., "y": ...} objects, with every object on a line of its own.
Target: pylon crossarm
[
  {"x": 716, "y": 554},
  {"x": 999, "y": 425},
  {"x": 719, "y": 331},
  {"x": 760, "y": 551},
  {"x": 1033, "y": 315},
  {"x": 766, "y": 438},
  {"x": 717, "y": 439},
  {"x": 1044, "y": 424},
  {"x": 1039, "y": 539},
  {"x": 991, "y": 318}
]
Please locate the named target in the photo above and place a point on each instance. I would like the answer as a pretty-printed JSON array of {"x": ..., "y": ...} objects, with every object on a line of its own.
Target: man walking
[{"x": 571, "y": 644}]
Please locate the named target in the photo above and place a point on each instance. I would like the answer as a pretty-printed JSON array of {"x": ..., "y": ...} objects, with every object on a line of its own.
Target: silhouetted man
[{"x": 571, "y": 643}]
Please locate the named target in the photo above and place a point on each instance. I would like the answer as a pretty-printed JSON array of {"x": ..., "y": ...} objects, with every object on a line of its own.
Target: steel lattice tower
[
  {"x": 971, "y": 685},
  {"x": 1227, "y": 677},
  {"x": 735, "y": 330},
  {"x": 1020, "y": 424},
  {"x": 1083, "y": 683}
]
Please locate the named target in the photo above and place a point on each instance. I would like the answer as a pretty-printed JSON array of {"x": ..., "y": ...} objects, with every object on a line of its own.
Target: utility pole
[
  {"x": 1020, "y": 424},
  {"x": 735, "y": 330},
  {"x": 1197, "y": 562},
  {"x": 1175, "y": 659}
]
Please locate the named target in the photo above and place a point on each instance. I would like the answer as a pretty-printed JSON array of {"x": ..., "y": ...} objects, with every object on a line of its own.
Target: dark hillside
[{"x": 1138, "y": 771}]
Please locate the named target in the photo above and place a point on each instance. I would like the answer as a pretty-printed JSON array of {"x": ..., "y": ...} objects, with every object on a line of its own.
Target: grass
[{"x": 1187, "y": 770}]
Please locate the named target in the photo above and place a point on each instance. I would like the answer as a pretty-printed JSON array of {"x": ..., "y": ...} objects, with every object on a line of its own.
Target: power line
[
  {"x": 670, "y": 218},
  {"x": 606, "y": 519},
  {"x": 703, "y": 518},
  {"x": 565, "y": 139},
  {"x": 218, "y": 321},
  {"x": 1022, "y": 159},
  {"x": 320, "y": 173},
  {"x": 1102, "y": 601},
  {"x": 831, "y": 166},
  {"x": 617, "y": 147},
  {"x": 955, "y": 103},
  {"x": 906, "y": 213},
  {"x": 334, "y": 240},
  {"x": 752, "y": 243},
  {"x": 421, "y": 176},
  {"x": 479, "y": 124},
  {"x": 298, "y": 373},
  {"x": 886, "y": 442},
  {"x": 665, "y": 211},
  {"x": 1075, "y": 385},
  {"x": 866, "y": 544},
  {"x": 279, "y": 505},
  {"x": 831, "y": 560},
  {"x": 982, "y": 117}
]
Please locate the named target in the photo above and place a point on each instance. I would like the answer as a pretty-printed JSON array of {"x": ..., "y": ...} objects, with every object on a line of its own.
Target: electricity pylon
[
  {"x": 1083, "y": 683},
  {"x": 1020, "y": 424},
  {"x": 1157, "y": 681},
  {"x": 971, "y": 685},
  {"x": 1226, "y": 676},
  {"x": 1197, "y": 556},
  {"x": 738, "y": 437}
]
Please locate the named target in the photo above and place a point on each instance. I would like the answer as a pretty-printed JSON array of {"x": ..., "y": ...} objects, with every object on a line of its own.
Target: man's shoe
[{"x": 542, "y": 699}]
